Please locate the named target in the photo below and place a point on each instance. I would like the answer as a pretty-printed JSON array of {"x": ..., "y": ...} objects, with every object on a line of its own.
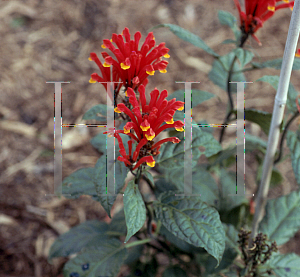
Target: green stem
[
  {"x": 135, "y": 243},
  {"x": 230, "y": 72},
  {"x": 148, "y": 182},
  {"x": 229, "y": 99},
  {"x": 138, "y": 176},
  {"x": 245, "y": 70},
  {"x": 284, "y": 134}
]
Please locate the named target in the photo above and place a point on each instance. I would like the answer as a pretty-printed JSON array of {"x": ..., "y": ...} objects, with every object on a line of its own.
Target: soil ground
[{"x": 50, "y": 41}]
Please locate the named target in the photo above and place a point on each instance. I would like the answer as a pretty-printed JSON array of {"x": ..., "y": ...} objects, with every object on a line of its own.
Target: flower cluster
[
  {"x": 257, "y": 12},
  {"x": 131, "y": 66},
  {"x": 147, "y": 121}
]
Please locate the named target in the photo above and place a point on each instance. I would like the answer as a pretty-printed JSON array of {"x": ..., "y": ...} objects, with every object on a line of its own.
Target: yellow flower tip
[
  {"x": 152, "y": 164},
  {"x": 181, "y": 108},
  {"x": 170, "y": 122},
  {"x": 111, "y": 40},
  {"x": 126, "y": 131},
  {"x": 92, "y": 81},
  {"x": 291, "y": 8},
  {"x": 117, "y": 110},
  {"x": 126, "y": 93},
  {"x": 297, "y": 55},
  {"x": 179, "y": 129},
  {"x": 90, "y": 59},
  {"x": 144, "y": 128},
  {"x": 106, "y": 64},
  {"x": 103, "y": 46},
  {"x": 163, "y": 71},
  {"x": 123, "y": 66},
  {"x": 149, "y": 137},
  {"x": 286, "y": 1},
  {"x": 166, "y": 55},
  {"x": 271, "y": 8},
  {"x": 150, "y": 72}
]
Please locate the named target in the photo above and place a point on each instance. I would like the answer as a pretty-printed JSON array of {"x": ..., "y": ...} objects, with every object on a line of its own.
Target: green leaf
[
  {"x": 134, "y": 208},
  {"x": 80, "y": 183},
  {"x": 224, "y": 157},
  {"x": 293, "y": 142},
  {"x": 103, "y": 260},
  {"x": 149, "y": 176},
  {"x": 285, "y": 265},
  {"x": 229, "y": 41},
  {"x": 254, "y": 142},
  {"x": 244, "y": 56},
  {"x": 228, "y": 189},
  {"x": 18, "y": 22},
  {"x": 93, "y": 112},
  {"x": 188, "y": 36},
  {"x": 292, "y": 93},
  {"x": 231, "y": 236},
  {"x": 263, "y": 119},
  {"x": 87, "y": 233},
  {"x": 202, "y": 182},
  {"x": 174, "y": 271},
  {"x": 134, "y": 253},
  {"x": 276, "y": 177},
  {"x": 219, "y": 72},
  {"x": 179, "y": 243},
  {"x": 162, "y": 185},
  {"x": 230, "y": 253},
  {"x": 226, "y": 18},
  {"x": 206, "y": 128},
  {"x": 172, "y": 155},
  {"x": 193, "y": 221},
  {"x": 227, "y": 156},
  {"x": 99, "y": 142},
  {"x": 210, "y": 263},
  {"x": 282, "y": 219},
  {"x": 199, "y": 96},
  {"x": 107, "y": 200},
  {"x": 276, "y": 64},
  {"x": 272, "y": 80},
  {"x": 118, "y": 223}
]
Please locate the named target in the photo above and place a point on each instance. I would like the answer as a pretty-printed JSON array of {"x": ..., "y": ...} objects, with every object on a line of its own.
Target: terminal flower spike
[
  {"x": 131, "y": 65},
  {"x": 257, "y": 12},
  {"x": 147, "y": 121}
]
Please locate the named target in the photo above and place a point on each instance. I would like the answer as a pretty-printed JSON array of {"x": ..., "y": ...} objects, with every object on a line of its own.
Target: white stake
[{"x": 278, "y": 112}]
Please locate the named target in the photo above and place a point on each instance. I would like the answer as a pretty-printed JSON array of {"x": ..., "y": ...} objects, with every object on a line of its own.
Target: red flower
[
  {"x": 146, "y": 122},
  {"x": 131, "y": 66},
  {"x": 257, "y": 12}
]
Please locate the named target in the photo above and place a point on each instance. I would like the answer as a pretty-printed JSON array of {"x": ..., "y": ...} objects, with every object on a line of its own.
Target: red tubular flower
[
  {"x": 148, "y": 159},
  {"x": 147, "y": 126},
  {"x": 131, "y": 66},
  {"x": 257, "y": 12}
]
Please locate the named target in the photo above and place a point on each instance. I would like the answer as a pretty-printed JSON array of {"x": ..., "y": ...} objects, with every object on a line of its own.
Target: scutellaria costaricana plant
[{"x": 198, "y": 234}]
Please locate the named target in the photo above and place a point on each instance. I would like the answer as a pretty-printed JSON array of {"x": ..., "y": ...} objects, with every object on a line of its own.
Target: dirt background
[{"x": 50, "y": 41}]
